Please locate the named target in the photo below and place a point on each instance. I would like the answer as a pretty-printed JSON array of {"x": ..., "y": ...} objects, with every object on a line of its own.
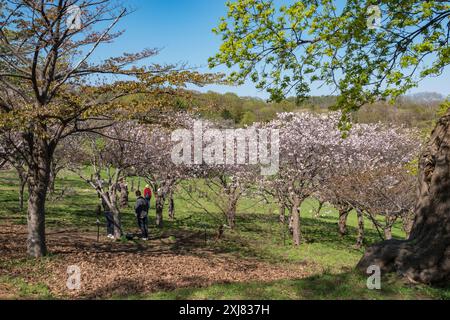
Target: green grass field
[{"x": 328, "y": 259}]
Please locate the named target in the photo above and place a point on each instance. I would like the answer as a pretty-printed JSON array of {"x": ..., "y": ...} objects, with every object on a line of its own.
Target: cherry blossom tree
[
  {"x": 309, "y": 145},
  {"x": 220, "y": 163},
  {"x": 224, "y": 187},
  {"x": 388, "y": 192},
  {"x": 313, "y": 152},
  {"x": 104, "y": 158},
  {"x": 157, "y": 168},
  {"x": 372, "y": 176}
]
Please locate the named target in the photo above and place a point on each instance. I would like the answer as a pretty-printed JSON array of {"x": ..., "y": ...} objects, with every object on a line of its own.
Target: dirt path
[{"x": 116, "y": 269}]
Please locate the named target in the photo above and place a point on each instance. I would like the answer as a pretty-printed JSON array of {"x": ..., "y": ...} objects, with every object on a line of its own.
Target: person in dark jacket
[{"x": 141, "y": 210}]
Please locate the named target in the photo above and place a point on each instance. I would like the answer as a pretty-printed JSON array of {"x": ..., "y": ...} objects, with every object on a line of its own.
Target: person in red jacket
[{"x": 147, "y": 195}]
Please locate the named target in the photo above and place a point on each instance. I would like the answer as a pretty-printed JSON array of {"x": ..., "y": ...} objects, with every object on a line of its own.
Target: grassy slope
[
  {"x": 327, "y": 286},
  {"x": 327, "y": 256}
]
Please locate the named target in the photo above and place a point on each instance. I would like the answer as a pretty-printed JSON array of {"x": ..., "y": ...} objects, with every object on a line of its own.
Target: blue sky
[{"x": 182, "y": 28}]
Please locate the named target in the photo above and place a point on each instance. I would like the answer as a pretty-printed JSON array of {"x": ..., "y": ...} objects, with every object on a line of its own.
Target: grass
[
  {"x": 329, "y": 257},
  {"x": 19, "y": 288},
  {"x": 345, "y": 286}
]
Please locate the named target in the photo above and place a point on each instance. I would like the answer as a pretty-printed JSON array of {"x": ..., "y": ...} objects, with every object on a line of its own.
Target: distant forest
[{"x": 417, "y": 110}]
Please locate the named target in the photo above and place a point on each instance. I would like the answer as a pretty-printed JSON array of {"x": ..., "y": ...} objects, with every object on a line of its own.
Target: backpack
[{"x": 141, "y": 208}]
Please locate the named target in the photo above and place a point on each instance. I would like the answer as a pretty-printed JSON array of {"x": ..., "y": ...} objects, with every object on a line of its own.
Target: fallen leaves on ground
[{"x": 114, "y": 269}]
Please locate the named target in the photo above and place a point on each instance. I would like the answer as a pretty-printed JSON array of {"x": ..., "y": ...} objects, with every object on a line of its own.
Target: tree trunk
[
  {"x": 52, "y": 185},
  {"x": 407, "y": 224},
  {"x": 220, "y": 232},
  {"x": 282, "y": 210},
  {"x": 22, "y": 175},
  {"x": 319, "y": 209},
  {"x": 114, "y": 206},
  {"x": 52, "y": 179},
  {"x": 231, "y": 220},
  {"x": 425, "y": 256},
  {"x": 117, "y": 222},
  {"x": 388, "y": 233},
  {"x": 296, "y": 222},
  {"x": 360, "y": 238},
  {"x": 231, "y": 213},
  {"x": 159, "y": 198},
  {"x": 388, "y": 227},
  {"x": 39, "y": 174},
  {"x": 36, "y": 245},
  {"x": 23, "y": 183},
  {"x": 124, "y": 195},
  {"x": 291, "y": 222},
  {"x": 171, "y": 206},
  {"x": 343, "y": 216}
]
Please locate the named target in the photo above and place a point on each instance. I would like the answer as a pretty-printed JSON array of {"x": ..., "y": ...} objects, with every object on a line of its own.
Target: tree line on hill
[{"x": 416, "y": 110}]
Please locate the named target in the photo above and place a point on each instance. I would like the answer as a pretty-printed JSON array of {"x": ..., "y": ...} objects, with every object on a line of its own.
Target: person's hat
[{"x": 147, "y": 186}]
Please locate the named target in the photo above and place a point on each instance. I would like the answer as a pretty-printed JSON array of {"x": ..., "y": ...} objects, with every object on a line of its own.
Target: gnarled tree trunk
[
  {"x": 343, "y": 216},
  {"x": 425, "y": 256},
  {"x": 159, "y": 198},
  {"x": 360, "y": 238}
]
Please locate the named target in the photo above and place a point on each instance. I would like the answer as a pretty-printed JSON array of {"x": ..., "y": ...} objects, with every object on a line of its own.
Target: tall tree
[
  {"x": 365, "y": 50},
  {"x": 50, "y": 87}
]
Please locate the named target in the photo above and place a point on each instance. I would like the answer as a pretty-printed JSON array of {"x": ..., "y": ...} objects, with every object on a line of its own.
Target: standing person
[
  {"x": 141, "y": 210},
  {"x": 148, "y": 195}
]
